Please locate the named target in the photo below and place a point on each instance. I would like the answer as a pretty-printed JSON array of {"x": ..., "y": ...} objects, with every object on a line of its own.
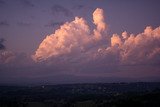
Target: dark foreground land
[{"x": 82, "y": 95}]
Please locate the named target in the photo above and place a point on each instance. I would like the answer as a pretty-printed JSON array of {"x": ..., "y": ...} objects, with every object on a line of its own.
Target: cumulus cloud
[
  {"x": 137, "y": 49},
  {"x": 72, "y": 37},
  {"x": 69, "y": 37},
  {"x": 77, "y": 42},
  {"x": 98, "y": 19},
  {"x": 116, "y": 40}
]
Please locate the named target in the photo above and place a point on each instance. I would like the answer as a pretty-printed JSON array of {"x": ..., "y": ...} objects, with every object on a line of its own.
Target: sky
[{"x": 79, "y": 41}]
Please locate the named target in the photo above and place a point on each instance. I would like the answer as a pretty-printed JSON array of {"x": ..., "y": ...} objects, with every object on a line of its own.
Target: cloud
[
  {"x": 75, "y": 41},
  {"x": 143, "y": 48},
  {"x": 72, "y": 38},
  {"x": 76, "y": 50},
  {"x": 116, "y": 40},
  {"x": 4, "y": 23},
  {"x": 98, "y": 19},
  {"x": 66, "y": 39},
  {"x": 58, "y": 9}
]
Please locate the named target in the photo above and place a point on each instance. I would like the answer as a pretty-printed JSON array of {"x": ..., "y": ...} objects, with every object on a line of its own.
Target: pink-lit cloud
[
  {"x": 73, "y": 40},
  {"x": 72, "y": 37}
]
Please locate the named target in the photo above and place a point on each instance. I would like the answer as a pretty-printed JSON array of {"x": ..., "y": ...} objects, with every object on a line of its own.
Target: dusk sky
[{"x": 74, "y": 41}]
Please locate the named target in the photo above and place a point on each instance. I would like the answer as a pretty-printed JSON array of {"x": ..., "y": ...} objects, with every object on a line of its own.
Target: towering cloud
[
  {"x": 98, "y": 19},
  {"x": 72, "y": 37},
  {"x": 75, "y": 39}
]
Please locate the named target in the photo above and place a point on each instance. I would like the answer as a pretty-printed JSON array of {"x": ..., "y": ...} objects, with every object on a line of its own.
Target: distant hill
[{"x": 81, "y": 95}]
